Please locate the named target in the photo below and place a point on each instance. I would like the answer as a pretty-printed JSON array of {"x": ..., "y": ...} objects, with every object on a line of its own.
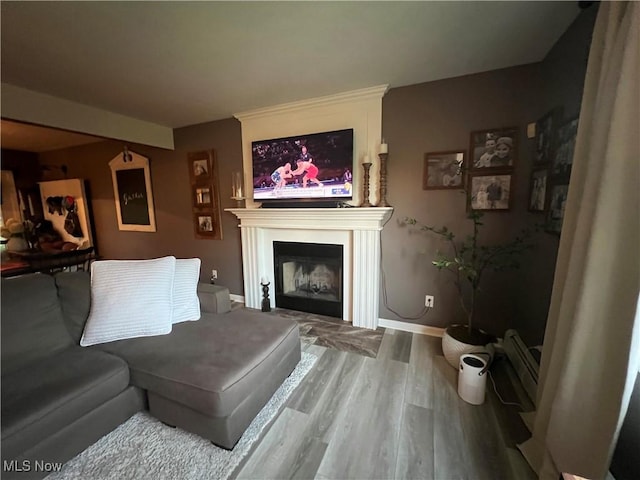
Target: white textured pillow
[
  {"x": 129, "y": 299},
  {"x": 186, "y": 305}
]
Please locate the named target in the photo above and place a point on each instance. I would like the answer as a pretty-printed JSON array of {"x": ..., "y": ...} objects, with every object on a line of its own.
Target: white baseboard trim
[
  {"x": 236, "y": 298},
  {"x": 411, "y": 327}
]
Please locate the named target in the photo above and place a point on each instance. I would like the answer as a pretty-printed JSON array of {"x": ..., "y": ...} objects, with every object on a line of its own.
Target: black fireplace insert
[{"x": 309, "y": 277}]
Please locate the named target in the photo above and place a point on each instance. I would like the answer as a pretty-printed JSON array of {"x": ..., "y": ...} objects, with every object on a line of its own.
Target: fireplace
[
  {"x": 308, "y": 277},
  {"x": 356, "y": 230}
]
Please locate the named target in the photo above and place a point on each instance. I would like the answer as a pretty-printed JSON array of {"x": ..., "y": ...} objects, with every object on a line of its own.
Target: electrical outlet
[
  {"x": 428, "y": 301},
  {"x": 214, "y": 274}
]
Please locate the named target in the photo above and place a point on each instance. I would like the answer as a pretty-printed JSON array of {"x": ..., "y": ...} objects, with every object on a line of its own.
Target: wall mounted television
[{"x": 306, "y": 168}]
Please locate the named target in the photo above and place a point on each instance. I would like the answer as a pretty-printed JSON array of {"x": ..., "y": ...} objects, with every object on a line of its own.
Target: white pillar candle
[
  {"x": 264, "y": 280},
  {"x": 384, "y": 148},
  {"x": 236, "y": 185},
  {"x": 365, "y": 159}
]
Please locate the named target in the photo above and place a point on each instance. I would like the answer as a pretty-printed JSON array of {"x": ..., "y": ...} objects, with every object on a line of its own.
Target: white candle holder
[{"x": 237, "y": 186}]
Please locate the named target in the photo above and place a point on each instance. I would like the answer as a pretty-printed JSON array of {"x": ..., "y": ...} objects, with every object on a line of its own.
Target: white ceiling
[{"x": 183, "y": 63}]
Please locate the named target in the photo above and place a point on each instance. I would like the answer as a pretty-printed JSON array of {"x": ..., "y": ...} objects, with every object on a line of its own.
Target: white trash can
[{"x": 472, "y": 378}]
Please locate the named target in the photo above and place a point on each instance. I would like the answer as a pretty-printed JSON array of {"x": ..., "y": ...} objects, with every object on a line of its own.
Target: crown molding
[{"x": 376, "y": 92}]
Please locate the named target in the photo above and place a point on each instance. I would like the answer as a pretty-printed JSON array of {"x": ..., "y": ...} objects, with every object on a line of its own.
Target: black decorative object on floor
[{"x": 266, "y": 303}]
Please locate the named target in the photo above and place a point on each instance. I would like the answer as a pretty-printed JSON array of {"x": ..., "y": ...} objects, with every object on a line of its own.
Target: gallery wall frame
[
  {"x": 538, "y": 189},
  {"x": 131, "y": 177},
  {"x": 559, "y": 173},
  {"x": 443, "y": 170},
  {"x": 562, "y": 159},
  {"x": 205, "y": 195},
  {"x": 493, "y": 149},
  {"x": 546, "y": 136},
  {"x": 490, "y": 191},
  {"x": 555, "y": 214}
]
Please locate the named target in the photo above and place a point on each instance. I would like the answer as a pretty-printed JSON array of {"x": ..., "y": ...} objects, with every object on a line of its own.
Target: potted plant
[{"x": 468, "y": 261}]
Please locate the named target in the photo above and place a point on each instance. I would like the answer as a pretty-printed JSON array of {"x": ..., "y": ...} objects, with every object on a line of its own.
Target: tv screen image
[{"x": 314, "y": 166}]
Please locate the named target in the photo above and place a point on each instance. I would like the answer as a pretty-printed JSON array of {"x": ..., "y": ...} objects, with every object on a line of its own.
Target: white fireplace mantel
[{"x": 357, "y": 229}]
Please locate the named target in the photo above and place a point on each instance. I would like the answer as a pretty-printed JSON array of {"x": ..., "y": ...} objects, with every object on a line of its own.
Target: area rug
[{"x": 145, "y": 448}]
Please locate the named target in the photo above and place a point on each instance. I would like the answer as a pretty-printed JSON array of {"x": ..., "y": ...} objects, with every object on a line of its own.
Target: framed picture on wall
[
  {"x": 205, "y": 195},
  {"x": 546, "y": 132},
  {"x": 490, "y": 192},
  {"x": 443, "y": 170},
  {"x": 495, "y": 148},
  {"x": 205, "y": 224},
  {"x": 555, "y": 216},
  {"x": 538, "y": 190},
  {"x": 200, "y": 169},
  {"x": 563, "y": 157}
]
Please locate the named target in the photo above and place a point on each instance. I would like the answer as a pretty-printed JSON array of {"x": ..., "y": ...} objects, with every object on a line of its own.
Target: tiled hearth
[{"x": 356, "y": 229}]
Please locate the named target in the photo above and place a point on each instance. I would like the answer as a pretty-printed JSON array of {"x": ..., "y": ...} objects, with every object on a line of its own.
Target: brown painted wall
[
  {"x": 563, "y": 72},
  {"x": 439, "y": 116},
  {"x": 172, "y": 198}
]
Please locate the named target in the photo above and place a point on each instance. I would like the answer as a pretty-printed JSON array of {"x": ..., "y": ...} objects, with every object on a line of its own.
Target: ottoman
[{"x": 212, "y": 376}]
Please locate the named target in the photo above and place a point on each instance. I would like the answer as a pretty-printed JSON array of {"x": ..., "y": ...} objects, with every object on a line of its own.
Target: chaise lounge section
[{"x": 212, "y": 376}]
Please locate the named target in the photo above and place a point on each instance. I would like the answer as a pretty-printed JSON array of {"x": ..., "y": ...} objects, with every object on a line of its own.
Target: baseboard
[
  {"x": 236, "y": 298},
  {"x": 411, "y": 327}
]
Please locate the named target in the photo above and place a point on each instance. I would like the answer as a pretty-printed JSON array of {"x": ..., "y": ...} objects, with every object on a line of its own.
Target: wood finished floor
[{"x": 394, "y": 416}]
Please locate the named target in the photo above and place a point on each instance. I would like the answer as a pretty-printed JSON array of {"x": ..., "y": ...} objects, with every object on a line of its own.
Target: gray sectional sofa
[{"x": 210, "y": 377}]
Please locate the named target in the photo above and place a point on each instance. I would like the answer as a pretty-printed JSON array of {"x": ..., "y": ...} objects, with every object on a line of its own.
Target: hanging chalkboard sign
[
  {"x": 132, "y": 192},
  {"x": 133, "y": 197}
]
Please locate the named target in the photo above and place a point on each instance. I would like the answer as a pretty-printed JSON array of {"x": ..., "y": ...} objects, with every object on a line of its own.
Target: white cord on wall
[{"x": 424, "y": 311}]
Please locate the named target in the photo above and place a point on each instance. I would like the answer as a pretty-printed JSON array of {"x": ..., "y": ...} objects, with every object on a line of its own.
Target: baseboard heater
[{"x": 523, "y": 362}]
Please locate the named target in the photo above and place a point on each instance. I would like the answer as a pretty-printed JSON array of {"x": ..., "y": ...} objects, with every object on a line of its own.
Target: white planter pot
[{"x": 453, "y": 349}]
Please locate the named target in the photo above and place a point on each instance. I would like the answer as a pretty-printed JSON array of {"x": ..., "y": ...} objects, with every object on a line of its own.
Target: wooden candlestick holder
[
  {"x": 365, "y": 182},
  {"x": 383, "y": 180}
]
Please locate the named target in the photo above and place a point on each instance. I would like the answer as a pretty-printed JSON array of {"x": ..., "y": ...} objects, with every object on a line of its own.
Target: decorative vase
[
  {"x": 453, "y": 347},
  {"x": 16, "y": 244}
]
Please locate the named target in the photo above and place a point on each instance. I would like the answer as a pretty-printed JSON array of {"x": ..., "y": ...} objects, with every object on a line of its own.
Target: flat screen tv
[{"x": 313, "y": 167}]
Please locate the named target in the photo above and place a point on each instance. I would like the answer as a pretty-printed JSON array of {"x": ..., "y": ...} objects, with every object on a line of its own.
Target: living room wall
[
  {"x": 562, "y": 75},
  {"x": 439, "y": 116},
  {"x": 172, "y": 198},
  {"x": 435, "y": 117}
]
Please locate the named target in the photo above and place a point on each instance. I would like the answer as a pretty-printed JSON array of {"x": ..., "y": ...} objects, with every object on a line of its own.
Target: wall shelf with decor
[{"x": 205, "y": 197}]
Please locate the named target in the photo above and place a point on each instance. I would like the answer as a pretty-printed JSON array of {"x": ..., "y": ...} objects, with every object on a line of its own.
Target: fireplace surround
[{"x": 356, "y": 229}]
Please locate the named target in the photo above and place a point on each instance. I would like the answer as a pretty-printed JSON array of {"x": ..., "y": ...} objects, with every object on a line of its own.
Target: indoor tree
[{"x": 468, "y": 260}]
